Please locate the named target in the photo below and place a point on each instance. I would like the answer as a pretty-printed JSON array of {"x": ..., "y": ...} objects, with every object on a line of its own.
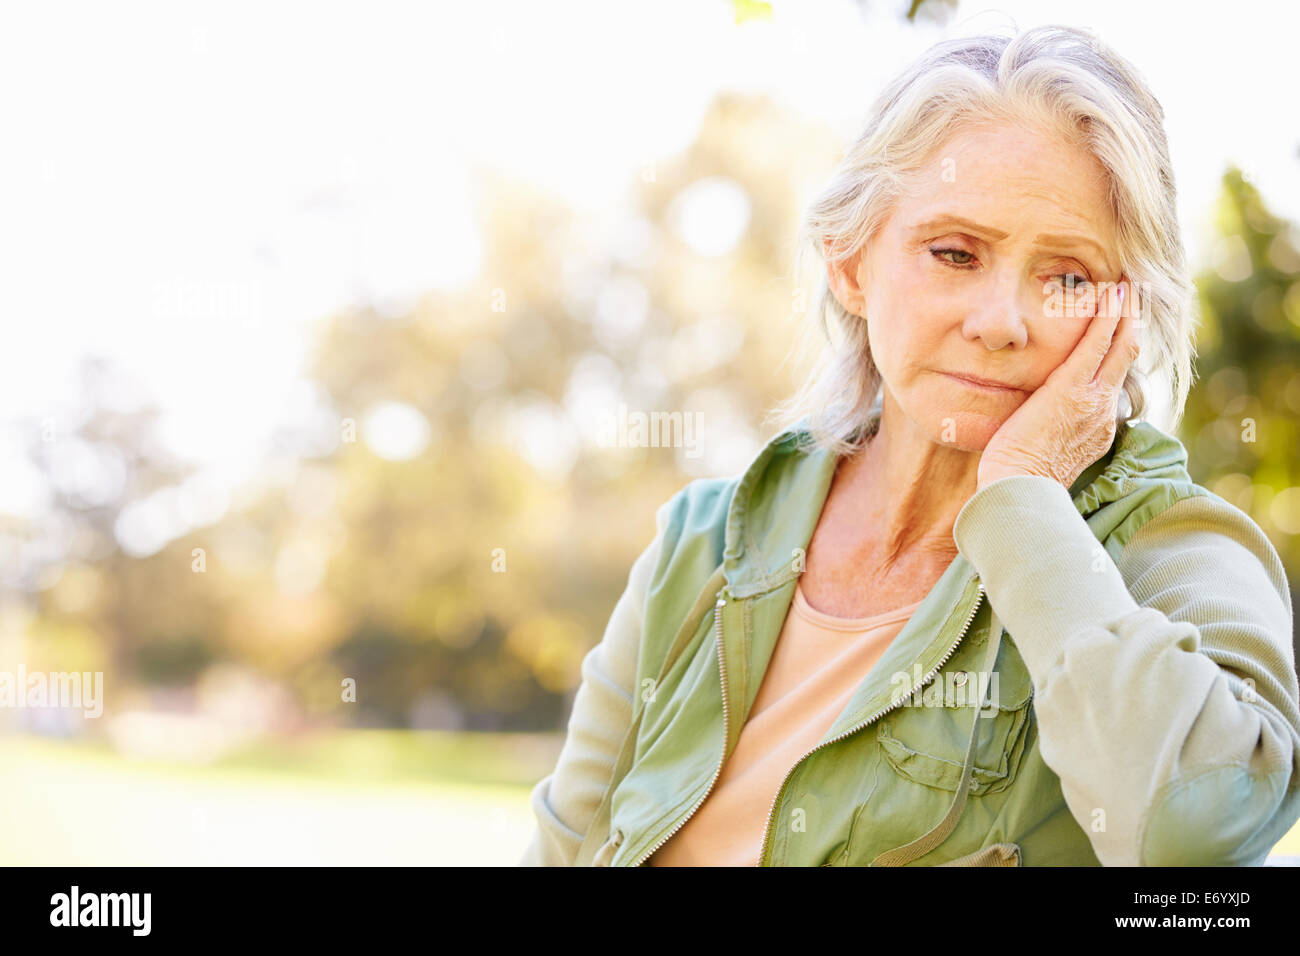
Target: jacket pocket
[
  {"x": 920, "y": 749},
  {"x": 605, "y": 855},
  {"x": 926, "y": 741}
]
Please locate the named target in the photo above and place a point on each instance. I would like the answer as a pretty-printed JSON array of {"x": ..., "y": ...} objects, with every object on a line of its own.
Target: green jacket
[{"x": 1137, "y": 692}]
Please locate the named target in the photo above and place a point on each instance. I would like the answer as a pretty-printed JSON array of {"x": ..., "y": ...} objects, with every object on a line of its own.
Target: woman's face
[{"x": 980, "y": 272}]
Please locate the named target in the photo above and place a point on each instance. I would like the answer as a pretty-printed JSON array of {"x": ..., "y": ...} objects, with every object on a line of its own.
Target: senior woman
[{"x": 969, "y": 608}]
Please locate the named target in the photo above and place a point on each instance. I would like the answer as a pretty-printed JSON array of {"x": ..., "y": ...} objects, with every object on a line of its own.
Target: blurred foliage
[
  {"x": 1240, "y": 425},
  {"x": 461, "y": 585},
  {"x": 751, "y": 10},
  {"x": 939, "y": 11}
]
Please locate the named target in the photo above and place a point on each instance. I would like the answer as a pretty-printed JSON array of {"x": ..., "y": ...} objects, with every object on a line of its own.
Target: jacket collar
[{"x": 780, "y": 496}]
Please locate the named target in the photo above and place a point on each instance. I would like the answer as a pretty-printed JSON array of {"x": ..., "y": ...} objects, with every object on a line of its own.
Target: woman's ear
[{"x": 842, "y": 278}]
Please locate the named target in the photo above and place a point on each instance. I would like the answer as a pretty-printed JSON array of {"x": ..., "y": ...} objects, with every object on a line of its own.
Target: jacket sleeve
[
  {"x": 1165, "y": 684},
  {"x": 565, "y": 801}
]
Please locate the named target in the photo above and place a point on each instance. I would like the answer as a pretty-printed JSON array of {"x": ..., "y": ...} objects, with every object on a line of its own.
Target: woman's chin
[{"x": 966, "y": 430}]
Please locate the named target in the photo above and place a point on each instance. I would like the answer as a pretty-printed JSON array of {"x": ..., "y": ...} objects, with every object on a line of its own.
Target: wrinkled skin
[
  {"x": 970, "y": 298},
  {"x": 1069, "y": 421}
]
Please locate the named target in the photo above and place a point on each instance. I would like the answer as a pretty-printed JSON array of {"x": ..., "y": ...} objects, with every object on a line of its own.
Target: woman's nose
[{"x": 997, "y": 317}]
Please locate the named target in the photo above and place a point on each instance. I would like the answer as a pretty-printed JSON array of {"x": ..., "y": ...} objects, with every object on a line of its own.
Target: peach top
[{"x": 818, "y": 663}]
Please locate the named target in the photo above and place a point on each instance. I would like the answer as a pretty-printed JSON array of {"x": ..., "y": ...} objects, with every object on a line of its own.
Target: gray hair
[{"x": 1059, "y": 79}]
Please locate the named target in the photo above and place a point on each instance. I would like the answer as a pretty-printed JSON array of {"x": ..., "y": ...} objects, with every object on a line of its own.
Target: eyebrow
[
  {"x": 959, "y": 221},
  {"x": 1042, "y": 239}
]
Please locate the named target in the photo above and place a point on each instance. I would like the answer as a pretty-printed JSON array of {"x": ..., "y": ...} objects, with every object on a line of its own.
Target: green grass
[
  {"x": 363, "y": 798},
  {"x": 405, "y": 756},
  {"x": 353, "y": 797},
  {"x": 408, "y": 756}
]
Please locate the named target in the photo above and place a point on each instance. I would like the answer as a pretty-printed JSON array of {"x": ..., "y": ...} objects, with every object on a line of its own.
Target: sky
[{"x": 187, "y": 189}]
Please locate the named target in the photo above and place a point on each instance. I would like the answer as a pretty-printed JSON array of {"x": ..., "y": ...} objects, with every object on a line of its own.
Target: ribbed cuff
[{"x": 1045, "y": 572}]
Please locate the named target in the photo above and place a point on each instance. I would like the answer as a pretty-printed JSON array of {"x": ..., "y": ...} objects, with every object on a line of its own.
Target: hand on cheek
[{"x": 1070, "y": 421}]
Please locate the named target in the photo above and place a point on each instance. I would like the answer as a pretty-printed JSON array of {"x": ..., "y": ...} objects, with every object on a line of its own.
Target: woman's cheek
[{"x": 1060, "y": 335}]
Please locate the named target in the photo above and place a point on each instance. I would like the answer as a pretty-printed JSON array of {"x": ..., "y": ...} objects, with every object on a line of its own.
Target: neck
[{"x": 908, "y": 488}]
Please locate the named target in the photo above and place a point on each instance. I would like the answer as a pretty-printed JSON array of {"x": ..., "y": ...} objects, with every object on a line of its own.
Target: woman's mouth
[{"x": 983, "y": 384}]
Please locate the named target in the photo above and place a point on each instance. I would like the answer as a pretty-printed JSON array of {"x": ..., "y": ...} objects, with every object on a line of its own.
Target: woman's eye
[
  {"x": 940, "y": 253},
  {"x": 1073, "y": 281}
]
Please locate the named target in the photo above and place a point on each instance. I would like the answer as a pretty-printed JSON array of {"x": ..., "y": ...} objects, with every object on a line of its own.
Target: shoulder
[
  {"x": 703, "y": 507},
  {"x": 700, "y": 505}
]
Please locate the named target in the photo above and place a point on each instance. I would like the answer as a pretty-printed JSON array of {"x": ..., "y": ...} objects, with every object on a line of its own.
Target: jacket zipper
[
  {"x": 853, "y": 730},
  {"x": 722, "y": 670}
]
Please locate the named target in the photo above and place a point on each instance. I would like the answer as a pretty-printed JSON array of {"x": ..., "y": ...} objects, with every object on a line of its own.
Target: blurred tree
[
  {"x": 462, "y": 546},
  {"x": 484, "y": 568},
  {"x": 1240, "y": 426},
  {"x": 96, "y": 463}
]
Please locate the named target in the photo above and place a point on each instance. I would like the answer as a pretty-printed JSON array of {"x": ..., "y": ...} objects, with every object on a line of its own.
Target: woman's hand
[{"x": 1069, "y": 421}]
